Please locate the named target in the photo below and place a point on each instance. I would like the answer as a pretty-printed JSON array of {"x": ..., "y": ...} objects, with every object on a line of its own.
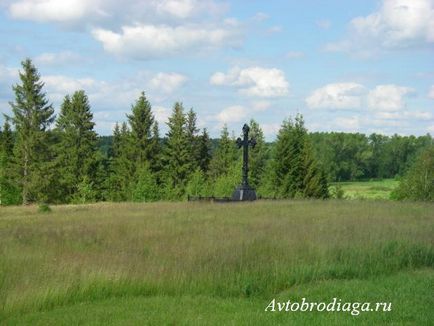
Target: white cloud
[
  {"x": 260, "y": 106},
  {"x": 336, "y": 96},
  {"x": 53, "y": 10},
  {"x": 347, "y": 123},
  {"x": 274, "y": 29},
  {"x": 167, "y": 82},
  {"x": 270, "y": 129},
  {"x": 388, "y": 97},
  {"x": 234, "y": 113},
  {"x": 254, "y": 81},
  {"x": 161, "y": 114},
  {"x": 153, "y": 41},
  {"x": 397, "y": 24},
  {"x": 57, "y": 59},
  {"x": 111, "y": 11},
  {"x": 431, "y": 92}
]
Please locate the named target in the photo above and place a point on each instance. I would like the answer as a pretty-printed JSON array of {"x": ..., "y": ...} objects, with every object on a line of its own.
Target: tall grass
[{"x": 87, "y": 253}]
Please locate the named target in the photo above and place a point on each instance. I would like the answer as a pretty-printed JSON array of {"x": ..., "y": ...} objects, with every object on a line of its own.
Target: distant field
[
  {"x": 215, "y": 264},
  {"x": 368, "y": 189}
]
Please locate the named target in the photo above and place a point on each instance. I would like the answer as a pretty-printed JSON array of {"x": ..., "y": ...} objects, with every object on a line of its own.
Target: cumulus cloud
[
  {"x": 167, "y": 82},
  {"x": 254, "y": 81},
  {"x": 53, "y": 10},
  {"x": 234, "y": 113},
  {"x": 112, "y": 11},
  {"x": 336, "y": 96},
  {"x": 151, "y": 41},
  {"x": 57, "y": 59},
  {"x": 397, "y": 24},
  {"x": 388, "y": 97}
]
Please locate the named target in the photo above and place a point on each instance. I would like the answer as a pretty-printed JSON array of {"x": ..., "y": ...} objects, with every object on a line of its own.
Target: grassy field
[
  {"x": 373, "y": 189},
  {"x": 216, "y": 264}
]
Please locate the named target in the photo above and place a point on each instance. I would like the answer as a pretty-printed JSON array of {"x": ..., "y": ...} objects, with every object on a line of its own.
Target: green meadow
[
  {"x": 372, "y": 189},
  {"x": 216, "y": 264}
]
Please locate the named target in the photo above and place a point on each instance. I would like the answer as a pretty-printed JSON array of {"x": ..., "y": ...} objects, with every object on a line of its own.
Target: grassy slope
[{"x": 190, "y": 263}]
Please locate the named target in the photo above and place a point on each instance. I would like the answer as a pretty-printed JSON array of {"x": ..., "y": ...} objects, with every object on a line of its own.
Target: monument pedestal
[{"x": 244, "y": 193}]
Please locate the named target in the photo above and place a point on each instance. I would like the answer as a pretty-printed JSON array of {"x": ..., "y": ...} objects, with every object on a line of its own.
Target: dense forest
[{"x": 49, "y": 159}]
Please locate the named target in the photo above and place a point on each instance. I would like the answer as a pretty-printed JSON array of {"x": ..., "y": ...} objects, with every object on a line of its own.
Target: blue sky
[{"x": 354, "y": 66}]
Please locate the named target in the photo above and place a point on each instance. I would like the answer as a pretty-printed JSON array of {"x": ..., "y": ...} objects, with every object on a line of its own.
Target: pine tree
[
  {"x": 122, "y": 165},
  {"x": 204, "y": 151},
  {"x": 9, "y": 192},
  {"x": 177, "y": 161},
  {"x": 146, "y": 188},
  {"x": 141, "y": 122},
  {"x": 257, "y": 155},
  {"x": 192, "y": 138},
  {"x": 296, "y": 172},
  {"x": 155, "y": 149},
  {"x": 224, "y": 156},
  {"x": 77, "y": 146},
  {"x": 32, "y": 116}
]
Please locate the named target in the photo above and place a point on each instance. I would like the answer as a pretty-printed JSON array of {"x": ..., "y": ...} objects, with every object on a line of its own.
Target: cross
[{"x": 245, "y": 142}]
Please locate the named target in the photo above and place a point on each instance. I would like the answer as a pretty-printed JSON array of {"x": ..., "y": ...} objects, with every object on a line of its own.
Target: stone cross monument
[{"x": 244, "y": 192}]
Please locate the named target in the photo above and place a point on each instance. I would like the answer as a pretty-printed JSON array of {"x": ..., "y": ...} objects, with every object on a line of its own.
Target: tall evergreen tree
[
  {"x": 9, "y": 192},
  {"x": 192, "y": 138},
  {"x": 155, "y": 149},
  {"x": 77, "y": 146},
  {"x": 257, "y": 155},
  {"x": 122, "y": 165},
  {"x": 204, "y": 151},
  {"x": 32, "y": 116},
  {"x": 296, "y": 172},
  {"x": 177, "y": 161},
  {"x": 141, "y": 122},
  {"x": 224, "y": 156}
]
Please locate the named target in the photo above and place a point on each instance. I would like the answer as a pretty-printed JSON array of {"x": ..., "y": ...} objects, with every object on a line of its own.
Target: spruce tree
[
  {"x": 192, "y": 138},
  {"x": 224, "y": 156},
  {"x": 257, "y": 155},
  {"x": 296, "y": 172},
  {"x": 204, "y": 151},
  {"x": 32, "y": 116},
  {"x": 77, "y": 146},
  {"x": 177, "y": 161},
  {"x": 141, "y": 122},
  {"x": 155, "y": 152},
  {"x": 122, "y": 165},
  {"x": 9, "y": 192}
]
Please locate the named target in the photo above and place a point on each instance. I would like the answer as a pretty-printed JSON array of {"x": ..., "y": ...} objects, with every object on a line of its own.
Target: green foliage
[
  {"x": 177, "y": 153},
  {"x": 225, "y": 184},
  {"x": 257, "y": 155},
  {"x": 418, "y": 182},
  {"x": 198, "y": 185},
  {"x": 9, "y": 192},
  {"x": 224, "y": 156},
  {"x": 44, "y": 208},
  {"x": 337, "y": 191},
  {"x": 145, "y": 188},
  {"x": 77, "y": 146},
  {"x": 204, "y": 151},
  {"x": 141, "y": 121},
  {"x": 85, "y": 192},
  {"x": 122, "y": 165},
  {"x": 296, "y": 171},
  {"x": 32, "y": 115}
]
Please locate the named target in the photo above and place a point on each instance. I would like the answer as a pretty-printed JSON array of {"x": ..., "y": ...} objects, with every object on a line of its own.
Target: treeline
[
  {"x": 354, "y": 156},
  {"x": 46, "y": 159}
]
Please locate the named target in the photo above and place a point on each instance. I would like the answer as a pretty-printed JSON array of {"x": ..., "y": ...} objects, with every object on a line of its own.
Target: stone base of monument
[{"x": 244, "y": 193}]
